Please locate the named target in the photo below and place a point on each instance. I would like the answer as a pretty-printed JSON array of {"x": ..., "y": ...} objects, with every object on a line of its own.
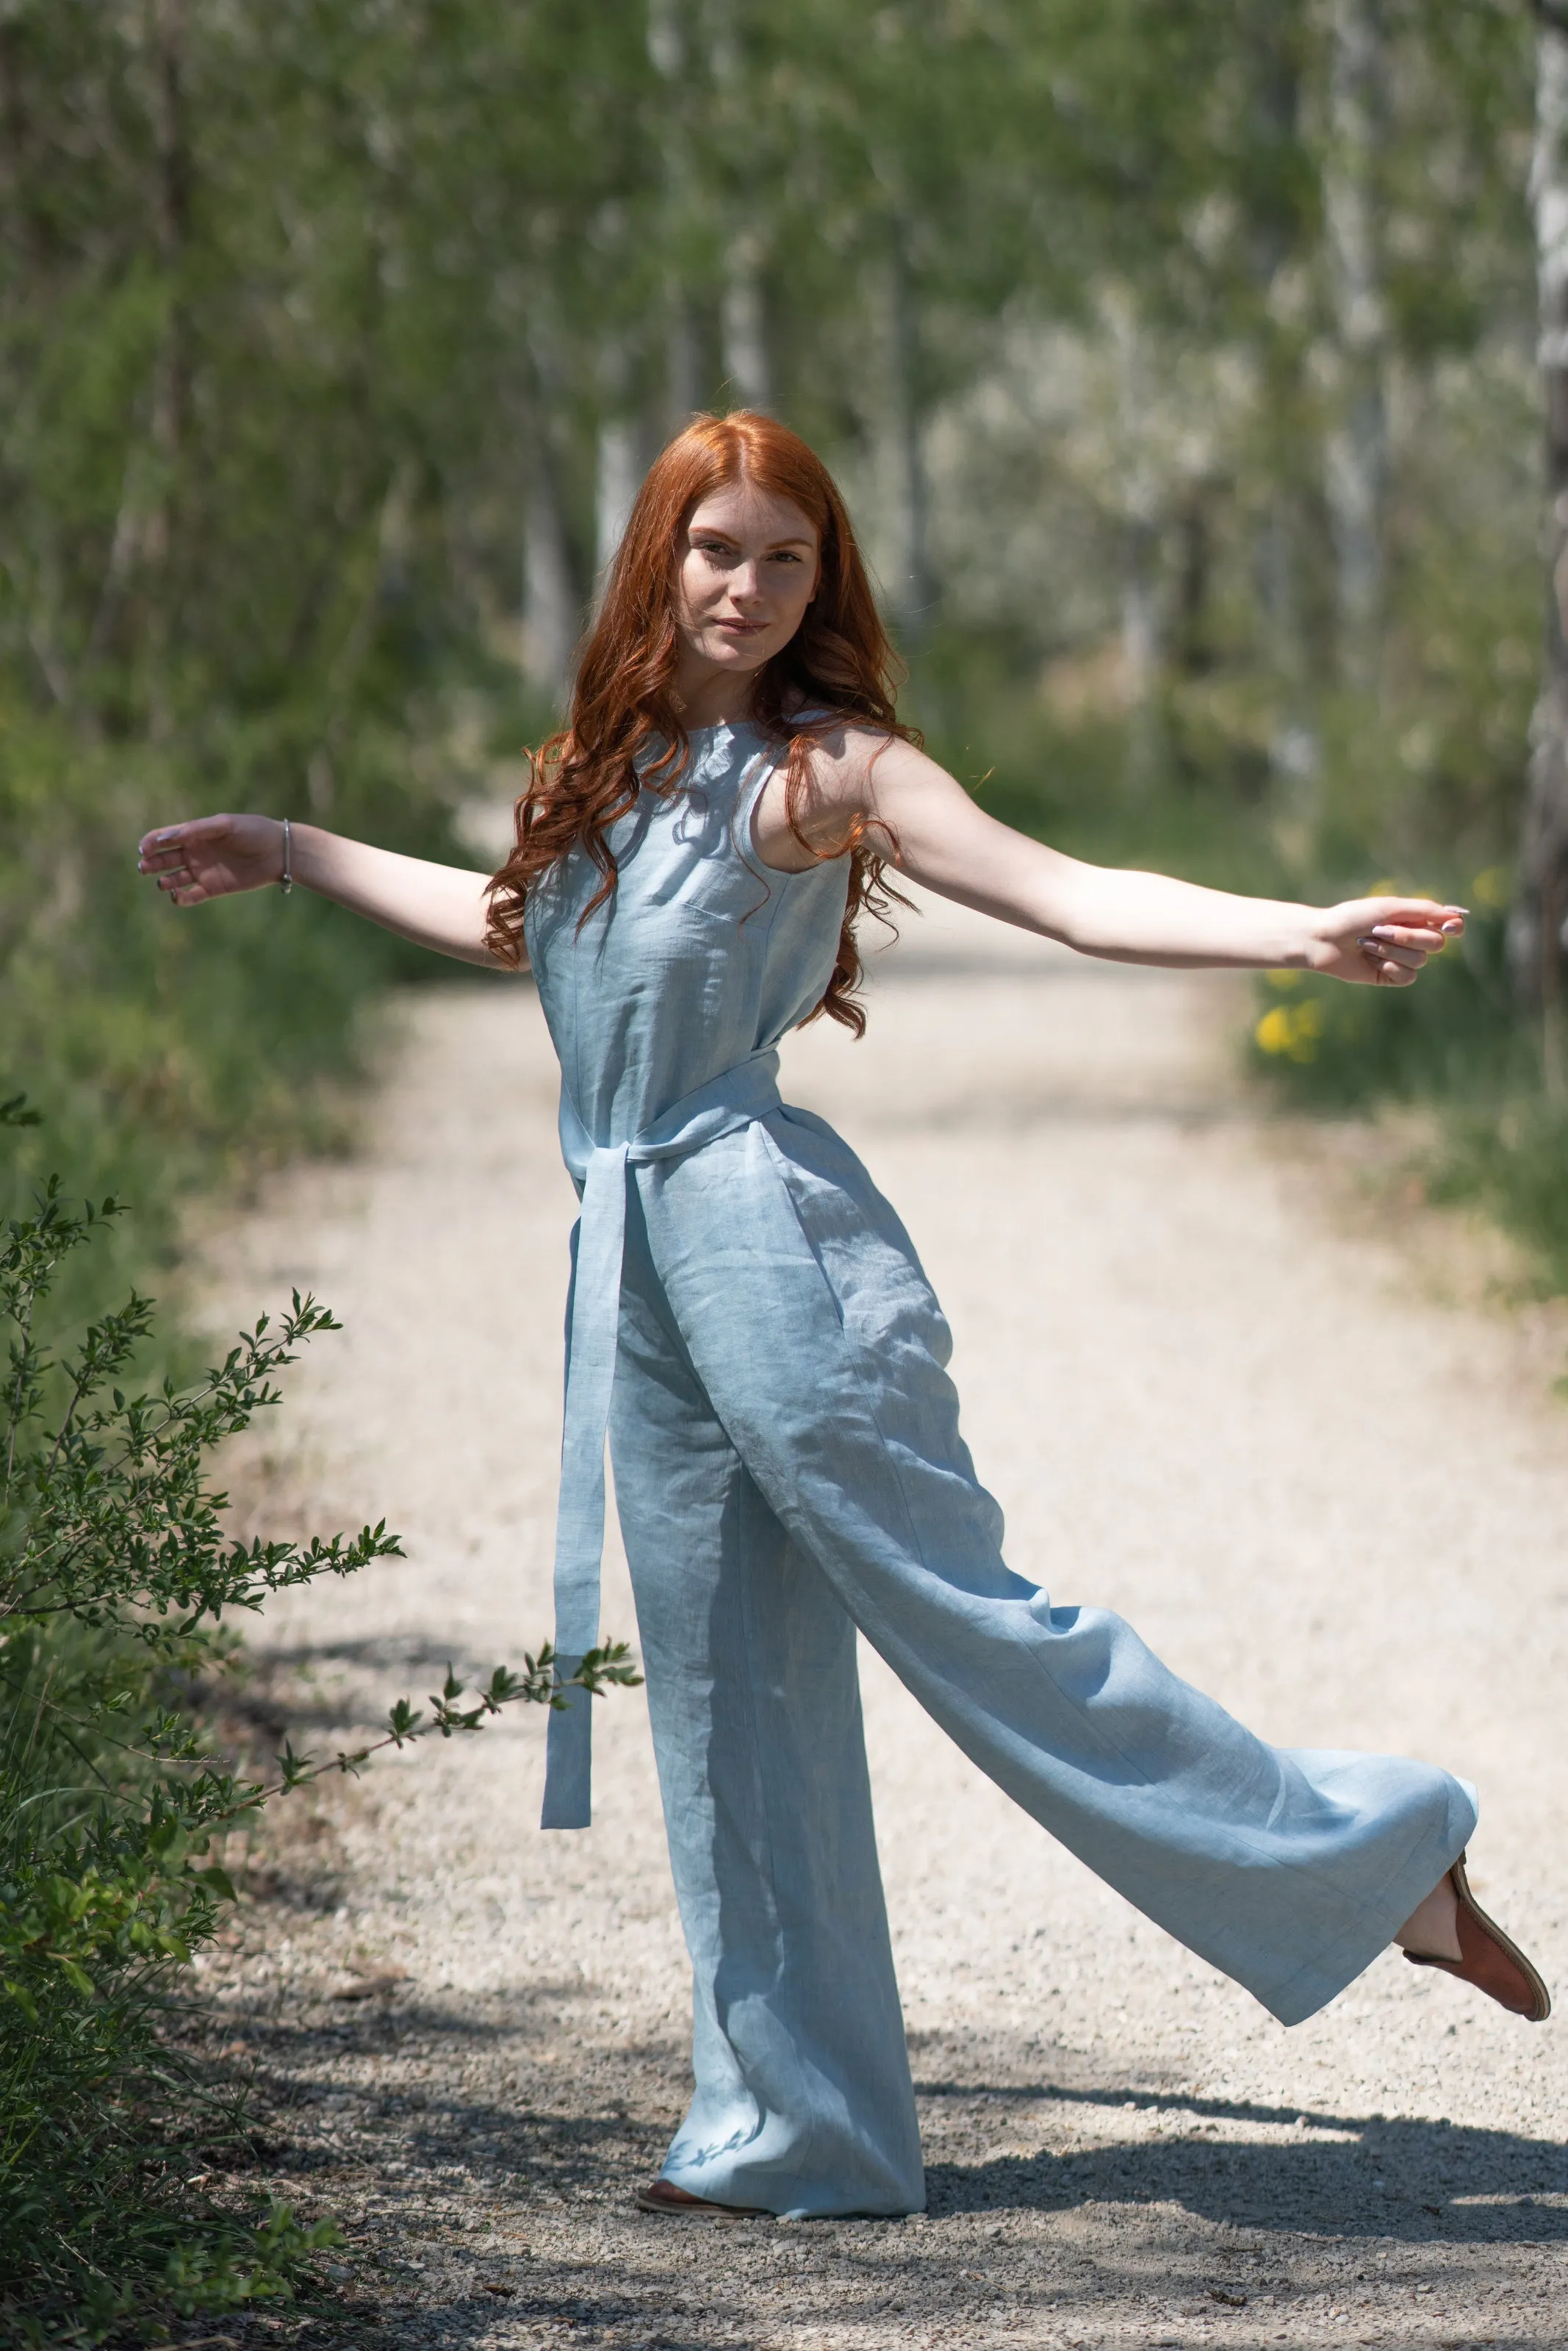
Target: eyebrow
[{"x": 716, "y": 530}]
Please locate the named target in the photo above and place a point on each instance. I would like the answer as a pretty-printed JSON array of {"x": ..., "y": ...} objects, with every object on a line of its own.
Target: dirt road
[{"x": 1335, "y": 1503}]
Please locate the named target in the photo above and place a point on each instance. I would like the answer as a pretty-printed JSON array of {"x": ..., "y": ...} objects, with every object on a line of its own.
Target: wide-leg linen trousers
[{"x": 787, "y": 1467}]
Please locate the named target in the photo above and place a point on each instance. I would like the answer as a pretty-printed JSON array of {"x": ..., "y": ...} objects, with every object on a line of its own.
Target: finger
[
  {"x": 1415, "y": 914},
  {"x": 1388, "y": 967},
  {"x": 158, "y": 852},
  {"x": 1391, "y": 934},
  {"x": 1384, "y": 950},
  {"x": 193, "y": 828},
  {"x": 1390, "y": 953},
  {"x": 1414, "y": 910},
  {"x": 1405, "y": 934}
]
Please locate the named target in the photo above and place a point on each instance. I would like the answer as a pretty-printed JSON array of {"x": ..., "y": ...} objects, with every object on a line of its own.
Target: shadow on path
[
  {"x": 526, "y": 2132},
  {"x": 1417, "y": 2181}
]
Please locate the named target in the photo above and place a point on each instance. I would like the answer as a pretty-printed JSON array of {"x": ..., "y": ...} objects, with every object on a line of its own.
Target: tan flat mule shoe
[{"x": 1489, "y": 1961}]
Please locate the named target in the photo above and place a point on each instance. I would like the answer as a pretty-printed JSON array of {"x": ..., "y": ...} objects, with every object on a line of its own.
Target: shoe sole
[{"x": 699, "y": 2208}]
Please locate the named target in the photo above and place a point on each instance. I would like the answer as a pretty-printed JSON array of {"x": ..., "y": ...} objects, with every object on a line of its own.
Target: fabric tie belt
[{"x": 723, "y": 1106}]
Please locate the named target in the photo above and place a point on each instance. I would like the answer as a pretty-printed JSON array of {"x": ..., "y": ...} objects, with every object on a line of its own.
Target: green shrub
[{"x": 119, "y": 1589}]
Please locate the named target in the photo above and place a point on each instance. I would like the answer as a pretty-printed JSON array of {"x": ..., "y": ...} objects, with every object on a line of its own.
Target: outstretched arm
[
  {"x": 950, "y": 845},
  {"x": 438, "y": 906}
]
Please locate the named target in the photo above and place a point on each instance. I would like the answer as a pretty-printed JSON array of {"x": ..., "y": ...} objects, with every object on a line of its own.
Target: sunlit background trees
[
  {"x": 1180, "y": 363},
  {"x": 1184, "y": 366}
]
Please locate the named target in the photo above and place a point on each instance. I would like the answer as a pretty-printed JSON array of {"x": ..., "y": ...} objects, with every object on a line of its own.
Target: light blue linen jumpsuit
[{"x": 749, "y": 1319}]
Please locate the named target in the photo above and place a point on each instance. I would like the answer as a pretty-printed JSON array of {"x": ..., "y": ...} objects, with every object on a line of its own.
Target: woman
[{"x": 750, "y": 1323}]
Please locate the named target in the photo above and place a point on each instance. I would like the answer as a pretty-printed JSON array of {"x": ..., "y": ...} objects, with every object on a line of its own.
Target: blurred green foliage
[
  {"x": 338, "y": 297},
  {"x": 169, "y": 1050},
  {"x": 220, "y": 584}
]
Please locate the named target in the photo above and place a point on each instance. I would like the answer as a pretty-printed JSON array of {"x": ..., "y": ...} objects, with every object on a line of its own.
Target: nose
[{"x": 746, "y": 584}]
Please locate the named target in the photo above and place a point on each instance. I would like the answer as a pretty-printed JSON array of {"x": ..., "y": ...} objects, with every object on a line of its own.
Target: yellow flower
[
  {"x": 1285, "y": 980},
  {"x": 1492, "y": 888},
  {"x": 1291, "y": 1030}
]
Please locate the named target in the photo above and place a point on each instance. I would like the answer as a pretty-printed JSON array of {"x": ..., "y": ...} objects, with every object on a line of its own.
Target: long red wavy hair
[{"x": 839, "y": 664}]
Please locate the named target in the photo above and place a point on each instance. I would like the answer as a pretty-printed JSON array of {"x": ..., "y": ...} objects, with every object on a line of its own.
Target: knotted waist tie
[{"x": 723, "y": 1106}]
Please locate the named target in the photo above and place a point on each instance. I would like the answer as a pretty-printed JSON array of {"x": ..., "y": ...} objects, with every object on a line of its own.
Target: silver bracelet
[{"x": 285, "y": 879}]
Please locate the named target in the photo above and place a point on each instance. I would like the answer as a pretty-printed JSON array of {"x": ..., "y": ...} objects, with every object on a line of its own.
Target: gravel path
[{"x": 1206, "y": 1399}]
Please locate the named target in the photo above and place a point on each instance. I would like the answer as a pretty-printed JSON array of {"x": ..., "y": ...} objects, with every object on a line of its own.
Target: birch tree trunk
[
  {"x": 171, "y": 373},
  {"x": 901, "y": 459},
  {"x": 617, "y": 472},
  {"x": 1357, "y": 454},
  {"x": 682, "y": 359},
  {"x": 1143, "y": 617},
  {"x": 553, "y": 604},
  {"x": 1274, "y": 247},
  {"x": 667, "y": 54},
  {"x": 549, "y": 593},
  {"x": 742, "y": 325},
  {"x": 743, "y": 341},
  {"x": 1536, "y": 925},
  {"x": 1274, "y": 99},
  {"x": 615, "y": 488}
]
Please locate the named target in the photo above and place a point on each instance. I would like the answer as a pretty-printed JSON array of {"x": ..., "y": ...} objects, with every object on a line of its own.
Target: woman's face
[{"x": 745, "y": 571}]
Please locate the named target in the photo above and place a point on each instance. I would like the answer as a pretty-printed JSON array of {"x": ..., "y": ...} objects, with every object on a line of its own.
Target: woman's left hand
[{"x": 1383, "y": 942}]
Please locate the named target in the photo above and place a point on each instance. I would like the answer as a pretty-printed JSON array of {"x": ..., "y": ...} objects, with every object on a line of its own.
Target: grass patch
[{"x": 1456, "y": 1044}]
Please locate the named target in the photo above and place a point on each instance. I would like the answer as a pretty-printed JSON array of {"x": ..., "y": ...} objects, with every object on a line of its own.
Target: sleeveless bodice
[{"x": 701, "y": 959}]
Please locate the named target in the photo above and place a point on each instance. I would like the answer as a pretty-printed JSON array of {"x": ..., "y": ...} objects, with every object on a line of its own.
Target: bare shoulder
[{"x": 851, "y": 758}]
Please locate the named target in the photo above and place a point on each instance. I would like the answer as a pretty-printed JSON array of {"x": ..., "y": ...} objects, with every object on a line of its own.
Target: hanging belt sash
[{"x": 723, "y": 1106}]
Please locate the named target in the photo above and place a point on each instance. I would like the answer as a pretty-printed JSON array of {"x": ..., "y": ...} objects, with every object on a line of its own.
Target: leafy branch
[{"x": 540, "y": 1683}]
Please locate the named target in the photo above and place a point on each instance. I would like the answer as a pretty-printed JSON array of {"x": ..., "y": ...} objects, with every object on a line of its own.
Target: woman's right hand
[{"x": 212, "y": 856}]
